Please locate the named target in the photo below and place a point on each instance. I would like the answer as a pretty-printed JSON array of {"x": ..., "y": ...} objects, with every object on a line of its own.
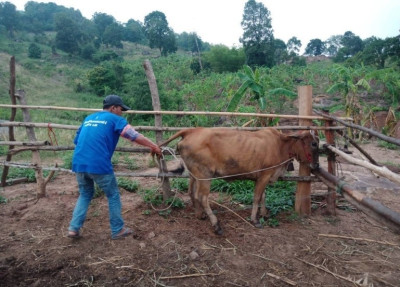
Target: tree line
[{"x": 77, "y": 35}]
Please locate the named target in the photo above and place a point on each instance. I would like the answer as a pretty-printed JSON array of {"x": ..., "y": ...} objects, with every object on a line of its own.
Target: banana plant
[
  {"x": 345, "y": 83},
  {"x": 251, "y": 81}
]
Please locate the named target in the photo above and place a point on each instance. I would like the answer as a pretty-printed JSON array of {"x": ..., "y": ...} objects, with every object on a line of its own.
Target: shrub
[{"x": 34, "y": 51}]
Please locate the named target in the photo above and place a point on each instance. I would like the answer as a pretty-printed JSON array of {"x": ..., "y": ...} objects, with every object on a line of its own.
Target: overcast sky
[{"x": 218, "y": 21}]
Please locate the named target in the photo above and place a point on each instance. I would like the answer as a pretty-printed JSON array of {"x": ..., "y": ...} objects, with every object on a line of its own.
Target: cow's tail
[
  {"x": 181, "y": 133},
  {"x": 181, "y": 168}
]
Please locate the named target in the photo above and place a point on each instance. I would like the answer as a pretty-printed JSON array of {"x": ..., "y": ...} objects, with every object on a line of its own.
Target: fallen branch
[
  {"x": 268, "y": 259},
  {"x": 233, "y": 212},
  {"x": 189, "y": 275},
  {"x": 131, "y": 267},
  {"x": 330, "y": 272},
  {"x": 358, "y": 239},
  {"x": 288, "y": 281}
]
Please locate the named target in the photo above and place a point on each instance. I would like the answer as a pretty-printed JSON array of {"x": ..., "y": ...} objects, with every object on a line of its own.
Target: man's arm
[
  {"x": 142, "y": 140},
  {"x": 131, "y": 134}
]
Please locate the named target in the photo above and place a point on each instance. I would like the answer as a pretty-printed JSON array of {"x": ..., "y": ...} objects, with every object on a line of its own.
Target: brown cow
[{"x": 261, "y": 156}]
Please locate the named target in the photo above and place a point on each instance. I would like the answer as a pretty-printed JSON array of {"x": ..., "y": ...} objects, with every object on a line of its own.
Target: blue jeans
[{"x": 108, "y": 183}]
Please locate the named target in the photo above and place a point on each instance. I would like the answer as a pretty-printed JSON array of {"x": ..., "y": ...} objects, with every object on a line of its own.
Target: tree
[
  {"x": 293, "y": 46},
  {"x": 351, "y": 43},
  {"x": 374, "y": 52},
  {"x": 134, "y": 32},
  {"x": 315, "y": 47},
  {"x": 9, "y": 17},
  {"x": 333, "y": 44},
  {"x": 281, "y": 54},
  {"x": 158, "y": 33},
  {"x": 68, "y": 35},
  {"x": 113, "y": 35},
  {"x": 34, "y": 51},
  {"x": 169, "y": 44},
  {"x": 102, "y": 21},
  {"x": 258, "y": 38},
  {"x": 393, "y": 49}
]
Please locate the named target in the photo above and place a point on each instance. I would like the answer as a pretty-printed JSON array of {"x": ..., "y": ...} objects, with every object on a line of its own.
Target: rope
[
  {"x": 227, "y": 176},
  {"x": 51, "y": 133}
]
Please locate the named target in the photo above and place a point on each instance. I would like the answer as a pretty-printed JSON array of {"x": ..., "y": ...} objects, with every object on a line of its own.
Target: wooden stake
[
  {"x": 40, "y": 181},
  {"x": 331, "y": 197},
  {"x": 166, "y": 187},
  {"x": 303, "y": 192},
  {"x": 12, "y": 118}
]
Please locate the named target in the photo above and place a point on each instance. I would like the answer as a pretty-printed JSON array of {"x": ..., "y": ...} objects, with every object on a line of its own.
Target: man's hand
[{"x": 156, "y": 150}]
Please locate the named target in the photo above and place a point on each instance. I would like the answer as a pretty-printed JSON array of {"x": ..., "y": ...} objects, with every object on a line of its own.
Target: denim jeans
[{"x": 108, "y": 183}]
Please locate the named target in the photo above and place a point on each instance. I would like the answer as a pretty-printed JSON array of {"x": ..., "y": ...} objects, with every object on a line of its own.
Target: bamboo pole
[
  {"x": 171, "y": 129},
  {"x": 145, "y": 174},
  {"x": 180, "y": 113},
  {"x": 303, "y": 192},
  {"x": 18, "y": 143}
]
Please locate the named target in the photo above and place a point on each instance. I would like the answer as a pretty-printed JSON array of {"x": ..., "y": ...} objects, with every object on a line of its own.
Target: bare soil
[{"x": 350, "y": 249}]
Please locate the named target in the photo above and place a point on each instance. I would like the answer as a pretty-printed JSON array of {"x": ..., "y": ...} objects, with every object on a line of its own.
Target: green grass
[{"x": 280, "y": 195}]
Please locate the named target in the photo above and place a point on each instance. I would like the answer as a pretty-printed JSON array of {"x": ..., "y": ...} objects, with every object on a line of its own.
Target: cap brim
[{"x": 125, "y": 108}]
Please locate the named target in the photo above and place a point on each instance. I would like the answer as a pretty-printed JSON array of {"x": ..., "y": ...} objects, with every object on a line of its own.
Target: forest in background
[{"x": 65, "y": 59}]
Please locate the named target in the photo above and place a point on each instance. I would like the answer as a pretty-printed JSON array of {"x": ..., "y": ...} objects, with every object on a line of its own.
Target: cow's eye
[{"x": 314, "y": 144}]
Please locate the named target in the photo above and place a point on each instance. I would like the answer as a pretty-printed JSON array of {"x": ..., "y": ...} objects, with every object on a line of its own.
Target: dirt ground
[{"x": 350, "y": 249}]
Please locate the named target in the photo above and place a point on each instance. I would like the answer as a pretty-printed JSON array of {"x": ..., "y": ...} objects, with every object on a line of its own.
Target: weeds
[
  {"x": 128, "y": 185},
  {"x": 180, "y": 184},
  {"x": 280, "y": 195}
]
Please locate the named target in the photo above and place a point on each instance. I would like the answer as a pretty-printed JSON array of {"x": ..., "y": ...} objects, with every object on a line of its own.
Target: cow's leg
[
  {"x": 259, "y": 194},
  {"x": 194, "y": 195},
  {"x": 263, "y": 209},
  {"x": 203, "y": 193},
  {"x": 192, "y": 189}
]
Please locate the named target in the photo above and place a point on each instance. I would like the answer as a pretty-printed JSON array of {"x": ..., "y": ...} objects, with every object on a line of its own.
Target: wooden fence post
[
  {"x": 41, "y": 182},
  {"x": 303, "y": 192},
  {"x": 12, "y": 118},
  {"x": 330, "y": 140},
  {"x": 158, "y": 123}
]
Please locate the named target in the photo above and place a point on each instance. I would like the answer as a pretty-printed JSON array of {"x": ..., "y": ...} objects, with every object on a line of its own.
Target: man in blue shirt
[{"x": 96, "y": 140}]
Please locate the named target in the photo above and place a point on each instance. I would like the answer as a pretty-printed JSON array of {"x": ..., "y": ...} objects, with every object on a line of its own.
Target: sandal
[
  {"x": 123, "y": 233},
  {"x": 74, "y": 234}
]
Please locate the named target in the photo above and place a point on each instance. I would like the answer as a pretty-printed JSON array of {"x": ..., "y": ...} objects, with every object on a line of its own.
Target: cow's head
[{"x": 304, "y": 145}]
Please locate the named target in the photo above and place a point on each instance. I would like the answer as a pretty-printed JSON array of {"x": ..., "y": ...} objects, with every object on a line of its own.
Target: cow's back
[{"x": 211, "y": 152}]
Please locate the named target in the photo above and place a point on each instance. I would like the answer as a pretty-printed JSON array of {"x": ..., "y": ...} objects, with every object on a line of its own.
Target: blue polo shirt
[{"x": 96, "y": 140}]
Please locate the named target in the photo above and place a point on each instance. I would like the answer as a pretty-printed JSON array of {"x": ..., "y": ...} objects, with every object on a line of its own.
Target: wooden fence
[{"x": 304, "y": 179}]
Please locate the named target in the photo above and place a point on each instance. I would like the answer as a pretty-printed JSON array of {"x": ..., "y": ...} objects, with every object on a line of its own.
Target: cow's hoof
[
  {"x": 218, "y": 230},
  {"x": 258, "y": 225}
]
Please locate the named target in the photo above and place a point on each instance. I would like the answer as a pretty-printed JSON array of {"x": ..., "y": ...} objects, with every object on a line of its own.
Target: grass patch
[
  {"x": 280, "y": 196},
  {"x": 128, "y": 185}
]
